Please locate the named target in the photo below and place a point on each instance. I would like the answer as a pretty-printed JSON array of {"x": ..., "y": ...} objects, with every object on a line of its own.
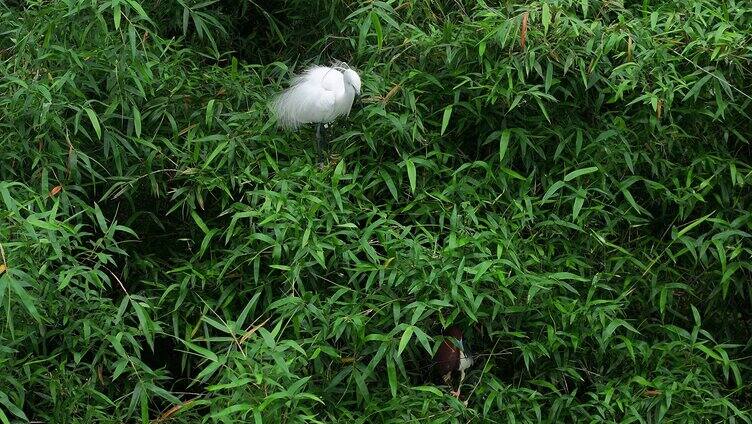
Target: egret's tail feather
[{"x": 282, "y": 108}]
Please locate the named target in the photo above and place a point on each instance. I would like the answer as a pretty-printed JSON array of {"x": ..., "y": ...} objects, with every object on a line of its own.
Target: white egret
[{"x": 318, "y": 96}]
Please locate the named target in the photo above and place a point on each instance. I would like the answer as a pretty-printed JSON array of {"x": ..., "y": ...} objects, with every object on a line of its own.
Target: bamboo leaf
[
  {"x": 504, "y": 144},
  {"x": 137, "y": 121},
  {"x": 376, "y": 23},
  {"x": 411, "y": 174},
  {"x": 94, "y": 121},
  {"x": 406, "y": 336},
  {"x": 391, "y": 372},
  {"x": 445, "y": 119},
  {"x": 580, "y": 172}
]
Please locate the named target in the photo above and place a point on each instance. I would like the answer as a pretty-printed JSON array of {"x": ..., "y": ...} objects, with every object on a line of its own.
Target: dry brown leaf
[
  {"x": 630, "y": 49},
  {"x": 55, "y": 190},
  {"x": 250, "y": 332},
  {"x": 186, "y": 129},
  {"x": 659, "y": 109},
  {"x": 391, "y": 93},
  {"x": 523, "y": 31},
  {"x": 172, "y": 411},
  {"x": 402, "y": 6}
]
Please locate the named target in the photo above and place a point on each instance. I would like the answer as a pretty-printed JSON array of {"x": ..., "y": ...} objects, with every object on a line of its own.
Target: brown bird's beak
[{"x": 454, "y": 343}]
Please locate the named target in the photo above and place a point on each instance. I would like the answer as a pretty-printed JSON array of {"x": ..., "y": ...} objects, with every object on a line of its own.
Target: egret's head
[{"x": 352, "y": 78}]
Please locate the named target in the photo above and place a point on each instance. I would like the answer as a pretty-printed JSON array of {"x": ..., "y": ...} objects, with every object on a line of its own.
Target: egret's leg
[
  {"x": 318, "y": 145},
  {"x": 327, "y": 147}
]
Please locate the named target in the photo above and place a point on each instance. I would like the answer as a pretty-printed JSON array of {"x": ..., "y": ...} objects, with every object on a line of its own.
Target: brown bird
[{"x": 452, "y": 358}]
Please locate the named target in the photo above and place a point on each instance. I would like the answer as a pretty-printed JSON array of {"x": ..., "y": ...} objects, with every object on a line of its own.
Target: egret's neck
[
  {"x": 348, "y": 97},
  {"x": 349, "y": 91}
]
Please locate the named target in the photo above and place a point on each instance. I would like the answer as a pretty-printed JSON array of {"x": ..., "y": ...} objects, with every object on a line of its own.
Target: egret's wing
[
  {"x": 333, "y": 80},
  {"x": 329, "y": 78},
  {"x": 310, "y": 98}
]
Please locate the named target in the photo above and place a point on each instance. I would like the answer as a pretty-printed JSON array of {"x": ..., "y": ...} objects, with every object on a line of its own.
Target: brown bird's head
[
  {"x": 455, "y": 333},
  {"x": 448, "y": 356}
]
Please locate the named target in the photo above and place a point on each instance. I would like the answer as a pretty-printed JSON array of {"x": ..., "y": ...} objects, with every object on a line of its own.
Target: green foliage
[{"x": 581, "y": 206}]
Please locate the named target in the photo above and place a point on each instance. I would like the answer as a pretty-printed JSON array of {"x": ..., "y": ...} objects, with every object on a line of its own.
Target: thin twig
[
  {"x": 485, "y": 367},
  {"x": 230, "y": 329},
  {"x": 118, "y": 281},
  {"x": 711, "y": 74}
]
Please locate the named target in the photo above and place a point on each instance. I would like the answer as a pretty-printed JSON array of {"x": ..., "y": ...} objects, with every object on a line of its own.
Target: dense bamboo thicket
[{"x": 568, "y": 180}]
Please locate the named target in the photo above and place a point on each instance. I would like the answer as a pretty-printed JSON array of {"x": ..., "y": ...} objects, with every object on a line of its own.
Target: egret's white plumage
[{"x": 319, "y": 95}]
